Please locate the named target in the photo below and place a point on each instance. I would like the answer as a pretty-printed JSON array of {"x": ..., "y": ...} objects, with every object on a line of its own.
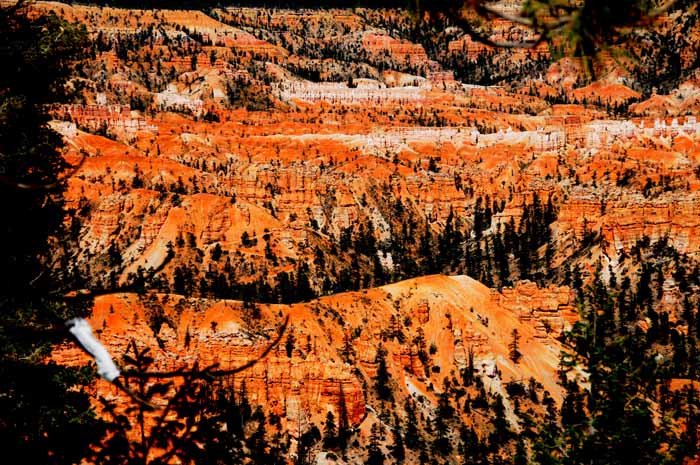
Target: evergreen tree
[
  {"x": 397, "y": 449},
  {"x": 382, "y": 378},
  {"x": 546, "y": 448},
  {"x": 375, "y": 456},
  {"x": 441, "y": 445},
  {"x": 412, "y": 437},
  {"x": 501, "y": 433},
  {"x": 520, "y": 457},
  {"x": 46, "y": 415},
  {"x": 470, "y": 447},
  {"x": 611, "y": 422},
  {"x": 514, "y": 346},
  {"x": 330, "y": 432},
  {"x": 305, "y": 443}
]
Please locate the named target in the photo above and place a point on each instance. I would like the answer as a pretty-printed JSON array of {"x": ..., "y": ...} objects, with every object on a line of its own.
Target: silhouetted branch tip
[
  {"x": 28, "y": 186},
  {"x": 210, "y": 371}
]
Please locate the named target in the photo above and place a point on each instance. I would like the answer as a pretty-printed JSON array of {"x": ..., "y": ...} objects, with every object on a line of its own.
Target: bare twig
[
  {"x": 661, "y": 9},
  {"x": 512, "y": 18},
  {"x": 28, "y": 186},
  {"x": 107, "y": 369},
  {"x": 559, "y": 21},
  {"x": 11, "y": 9},
  {"x": 543, "y": 27},
  {"x": 93, "y": 293},
  {"x": 118, "y": 383},
  {"x": 210, "y": 372},
  {"x": 481, "y": 38}
]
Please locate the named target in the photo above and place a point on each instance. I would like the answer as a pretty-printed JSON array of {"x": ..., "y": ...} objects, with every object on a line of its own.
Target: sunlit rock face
[
  {"x": 334, "y": 340},
  {"x": 226, "y": 155}
]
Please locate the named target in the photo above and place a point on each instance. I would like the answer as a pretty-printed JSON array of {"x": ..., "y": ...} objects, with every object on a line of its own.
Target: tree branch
[
  {"x": 25, "y": 186},
  {"x": 210, "y": 372}
]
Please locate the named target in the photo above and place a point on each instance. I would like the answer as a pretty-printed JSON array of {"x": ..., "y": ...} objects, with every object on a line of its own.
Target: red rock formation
[
  {"x": 623, "y": 222},
  {"x": 409, "y": 53},
  {"x": 550, "y": 310},
  {"x": 333, "y": 336}
]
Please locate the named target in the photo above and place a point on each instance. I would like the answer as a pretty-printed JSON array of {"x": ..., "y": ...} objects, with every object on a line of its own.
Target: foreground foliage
[{"x": 45, "y": 419}]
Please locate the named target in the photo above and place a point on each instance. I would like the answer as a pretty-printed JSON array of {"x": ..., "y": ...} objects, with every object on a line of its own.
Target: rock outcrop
[{"x": 327, "y": 357}]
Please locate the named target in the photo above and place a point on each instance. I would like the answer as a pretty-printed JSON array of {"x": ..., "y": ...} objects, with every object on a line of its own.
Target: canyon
[
  {"x": 334, "y": 336},
  {"x": 360, "y": 176}
]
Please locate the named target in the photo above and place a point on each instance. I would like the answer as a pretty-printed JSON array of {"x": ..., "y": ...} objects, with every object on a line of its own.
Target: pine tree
[
  {"x": 501, "y": 433},
  {"x": 46, "y": 415},
  {"x": 412, "y": 437},
  {"x": 305, "y": 443},
  {"x": 611, "y": 422},
  {"x": 398, "y": 450},
  {"x": 520, "y": 457},
  {"x": 441, "y": 444},
  {"x": 470, "y": 447},
  {"x": 330, "y": 432},
  {"x": 546, "y": 448},
  {"x": 375, "y": 456},
  {"x": 514, "y": 346},
  {"x": 382, "y": 378}
]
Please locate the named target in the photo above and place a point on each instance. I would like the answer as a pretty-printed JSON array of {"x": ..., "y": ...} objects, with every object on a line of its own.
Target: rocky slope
[
  {"x": 288, "y": 157},
  {"x": 432, "y": 328}
]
